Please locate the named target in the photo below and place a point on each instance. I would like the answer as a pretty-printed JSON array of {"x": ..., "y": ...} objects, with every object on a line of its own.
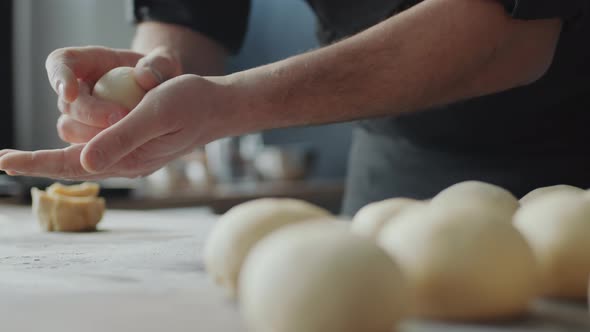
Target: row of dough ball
[
  {"x": 461, "y": 254},
  {"x": 554, "y": 223},
  {"x": 294, "y": 267},
  {"x": 557, "y": 226}
]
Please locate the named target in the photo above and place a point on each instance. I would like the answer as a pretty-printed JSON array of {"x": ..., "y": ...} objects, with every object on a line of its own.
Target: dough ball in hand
[
  {"x": 240, "y": 228},
  {"x": 120, "y": 87},
  {"x": 369, "y": 220},
  {"x": 318, "y": 277},
  {"x": 462, "y": 264},
  {"x": 484, "y": 195},
  {"x": 68, "y": 208},
  {"x": 557, "y": 226},
  {"x": 540, "y": 192}
]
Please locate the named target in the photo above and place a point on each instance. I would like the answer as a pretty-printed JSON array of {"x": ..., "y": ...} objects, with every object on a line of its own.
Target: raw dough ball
[
  {"x": 539, "y": 192},
  {"x": 498, "y": 200},
  {"x": 318, "y": 277},
  {"x": 119, "y": 86},
  {"x": 369, "y": 220},
  {"x": 461, "y": 264},
  {"x": 239, "y": 229},
  {"x": 557, "y": 227},
  {"x": 68, "y": 209}
]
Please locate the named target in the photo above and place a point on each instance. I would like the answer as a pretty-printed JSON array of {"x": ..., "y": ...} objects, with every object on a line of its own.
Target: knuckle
[
  {"x": 89, "y": 112},
  {"x": 166, "y": 66},
  {"x": 62, "y": 106},
  {"x": 161, "y": 61},
  {"x": 52, "y": 58},
  {"x": 68, "y": 54},
  {"x": 75, "y": 110},
  {"x": 34, "y": 156},
  {"x": 62, "y": 126},
  {"x": 143, "y": 62},
  {"x": 86, "y": 114},
  {"x": 59, "y": 59},
  {"x": 64, "y": 130}
]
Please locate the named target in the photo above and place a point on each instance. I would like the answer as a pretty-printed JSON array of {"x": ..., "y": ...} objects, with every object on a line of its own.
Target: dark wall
[{"x": 6, "y": 78}]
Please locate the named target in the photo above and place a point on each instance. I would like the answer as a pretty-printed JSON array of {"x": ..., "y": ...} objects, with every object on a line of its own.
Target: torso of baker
[{"x": 520, "y": 139}]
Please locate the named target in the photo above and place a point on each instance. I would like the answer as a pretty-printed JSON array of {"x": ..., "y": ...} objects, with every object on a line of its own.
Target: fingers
[
  {"x": 64, "y": 85},
  {"x": 65, "y": 66},
  {"x": 55, "y": 164},
  {"x": 43, "y": 164},
  {"x": 157, "y": 67},
  {"x": 61, "y": 163},
  {"x": 65, "y": 163},
  {"x": 72, "y": 131},
  {"x": 92, "y": 111},
  {"x": 6, "y": 151},
  {"x": 162, "y": 113}
]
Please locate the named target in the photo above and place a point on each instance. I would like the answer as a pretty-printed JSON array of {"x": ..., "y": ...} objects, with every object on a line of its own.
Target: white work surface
[{"x": 143, "y": 272}]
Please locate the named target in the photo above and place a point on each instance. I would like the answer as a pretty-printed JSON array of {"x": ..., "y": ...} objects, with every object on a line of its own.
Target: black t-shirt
[{"x": 520, "y": 139}]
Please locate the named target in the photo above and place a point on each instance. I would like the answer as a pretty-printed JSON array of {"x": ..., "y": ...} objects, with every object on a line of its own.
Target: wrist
[
  {"x": 260, "y": 98},
  {"x": 232, "y": 108}
]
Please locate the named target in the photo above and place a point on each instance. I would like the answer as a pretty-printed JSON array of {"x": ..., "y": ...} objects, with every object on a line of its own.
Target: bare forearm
[
  {"x": 439, "y": 52},
  {"x": 197, "y": 53}
]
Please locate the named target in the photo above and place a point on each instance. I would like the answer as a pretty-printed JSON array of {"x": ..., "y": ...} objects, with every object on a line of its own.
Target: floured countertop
[{"x": 142, "y": 272}]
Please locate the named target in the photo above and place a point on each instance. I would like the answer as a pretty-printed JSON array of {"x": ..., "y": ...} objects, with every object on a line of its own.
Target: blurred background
[{"x": 307, "y": 162}]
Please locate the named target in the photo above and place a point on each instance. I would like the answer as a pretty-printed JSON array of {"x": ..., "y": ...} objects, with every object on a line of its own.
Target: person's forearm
[
  {"x": 438, "y": 52},
  {"x": 197, "y": 54}
]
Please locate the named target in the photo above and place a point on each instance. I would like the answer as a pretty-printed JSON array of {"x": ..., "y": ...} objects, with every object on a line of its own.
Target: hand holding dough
[
  {"x": 318, "y": 277},
  {"x": 240, "y": 228},
  {"x": 119, "y": 86},
  {"x": 68, "y": 209}
]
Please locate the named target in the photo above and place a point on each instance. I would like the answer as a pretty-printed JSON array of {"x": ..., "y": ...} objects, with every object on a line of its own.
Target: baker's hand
[
  {"x": 73, "y": 72},
  {"x": 170, "y": 121}
]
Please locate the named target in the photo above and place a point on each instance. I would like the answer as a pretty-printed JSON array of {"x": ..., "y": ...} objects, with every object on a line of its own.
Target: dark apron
[{"x": 382, "y": 167}]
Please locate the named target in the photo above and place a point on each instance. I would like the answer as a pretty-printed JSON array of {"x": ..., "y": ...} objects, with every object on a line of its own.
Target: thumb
[
  {"x": 155, "y": 68},
  {"x": 116, "y": 142}
]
